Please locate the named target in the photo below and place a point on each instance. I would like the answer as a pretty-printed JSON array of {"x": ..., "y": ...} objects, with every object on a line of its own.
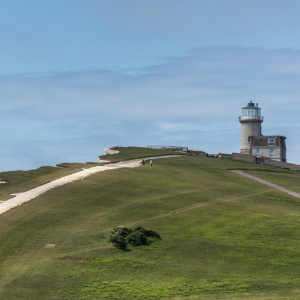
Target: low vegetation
[
  {"x": 223, "y": 236},
  {"x": 122, "y": 236},
  {"x": 127, "y": 153}
]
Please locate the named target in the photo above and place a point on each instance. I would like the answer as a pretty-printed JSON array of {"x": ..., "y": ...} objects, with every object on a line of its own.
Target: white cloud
[
  {"x": 193, "y": 100},
  {"x": 171, "y": 126}
]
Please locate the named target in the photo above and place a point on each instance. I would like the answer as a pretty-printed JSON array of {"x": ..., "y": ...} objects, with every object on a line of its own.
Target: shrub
[
  {"x": 118, "y": 241},
  {"x": 122, "y": 236},
  {"x": 152, "y": 233},
  {"x": 137, "y": 238},
  {"x": 140, "y": 229},
  {"x": 122, "y": 231}
]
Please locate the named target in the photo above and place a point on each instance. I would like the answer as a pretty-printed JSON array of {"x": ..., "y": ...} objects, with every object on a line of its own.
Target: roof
[
  {"x": 251, "y": 105},
  {"x": 268, "y": 136}
]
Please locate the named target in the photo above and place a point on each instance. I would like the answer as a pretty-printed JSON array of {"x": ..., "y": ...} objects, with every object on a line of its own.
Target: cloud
[
  {"x": 266, "y": 23},
  {"x": 171, "y": 126},
  {"x": 193, "y": 100},
  {"x": 80, "y": 34},
  {"x": 208, "y": 82}
]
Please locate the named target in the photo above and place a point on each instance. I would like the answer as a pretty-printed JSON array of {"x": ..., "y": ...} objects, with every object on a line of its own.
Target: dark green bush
[
  {"x": 140, "y": 229},
  {"x": 152, "y": 233},
  {"x": 122, "y": 236},
  {"x": 118, "y": 241},
  {"x": 122, "y": 231},
  {"x": 137, "y": 238}
]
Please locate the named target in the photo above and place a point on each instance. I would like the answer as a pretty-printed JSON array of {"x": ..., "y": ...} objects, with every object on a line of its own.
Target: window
[
  {"x": 258, "y": 151},
  {"x": 271, "y": 142},
  {"x": 272, "y": 152}
]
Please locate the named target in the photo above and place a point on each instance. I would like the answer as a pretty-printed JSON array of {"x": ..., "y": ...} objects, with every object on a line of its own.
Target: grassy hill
[{"x": 223, "y": 236}]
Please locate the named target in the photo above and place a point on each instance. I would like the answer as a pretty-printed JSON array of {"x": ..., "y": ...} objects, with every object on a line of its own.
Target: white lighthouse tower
[{"x": 250, "y": 120}]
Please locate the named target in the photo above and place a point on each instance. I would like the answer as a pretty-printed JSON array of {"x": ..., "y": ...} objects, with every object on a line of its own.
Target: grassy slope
[
  {"x": 127, "y": 153},
  {"x": 287, "y": 179},
  {"x": 224, "y": 237},
  {"x": 20, "y": 181}
]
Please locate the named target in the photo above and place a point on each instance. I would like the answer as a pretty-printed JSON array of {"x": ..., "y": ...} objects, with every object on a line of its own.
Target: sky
[{"x": 79, "y": 76}]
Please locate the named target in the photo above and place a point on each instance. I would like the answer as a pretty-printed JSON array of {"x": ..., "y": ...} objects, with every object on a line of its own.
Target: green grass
[
  {"x": 20, "y": 181},
  {"x": 287, "y": 179},
  {"x": 127, "y": 153},
  {"x": 223, "y": 236}
]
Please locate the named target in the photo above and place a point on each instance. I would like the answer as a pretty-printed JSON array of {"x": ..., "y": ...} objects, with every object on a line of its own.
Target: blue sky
[{"x": 78, "y": 76}]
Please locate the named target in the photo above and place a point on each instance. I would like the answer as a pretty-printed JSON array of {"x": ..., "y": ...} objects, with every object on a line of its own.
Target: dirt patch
[{"x": 50, "y": 246}]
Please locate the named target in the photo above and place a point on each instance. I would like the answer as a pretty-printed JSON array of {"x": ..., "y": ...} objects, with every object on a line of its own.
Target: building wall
[
  {"x": 280, "y": 164},
  {"x": 266, "y": 151},
  {"x": 244, "y": 157},
  {"x": 265, "y": 161},
  {"x": 224, "y": 155},
  {"x": 248, "y": 129},
  {"x": 268, "y": 146}
]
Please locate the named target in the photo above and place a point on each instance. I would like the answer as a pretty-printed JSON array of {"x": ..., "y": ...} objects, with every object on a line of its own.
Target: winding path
[
  {"x": 273, "y": 185},
  {"x": 33, "y": 193}
]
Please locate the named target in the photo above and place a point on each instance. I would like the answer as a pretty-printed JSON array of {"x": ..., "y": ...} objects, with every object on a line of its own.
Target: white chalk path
[
  {"x": 33, "y": 193},
  {"x": 273, "y": 185}
]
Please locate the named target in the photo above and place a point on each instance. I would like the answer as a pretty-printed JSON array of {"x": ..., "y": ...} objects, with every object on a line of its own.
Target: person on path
[
  {"x": 150, "y": 163},
  {"x": 143, "y": 162}
]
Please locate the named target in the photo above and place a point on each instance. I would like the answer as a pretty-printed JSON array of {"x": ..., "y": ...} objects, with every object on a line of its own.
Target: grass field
[
  {"x": 127, "y": 153},
  {"x": 223, "y": 236},
  {"x": 20, "y": 181},
  {"x": 287, "y": 179}
]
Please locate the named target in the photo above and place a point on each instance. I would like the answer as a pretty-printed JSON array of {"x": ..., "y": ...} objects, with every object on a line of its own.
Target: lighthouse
[
  {"x": 252, "y": 140},
  {"x": 250, "y": 120}
]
